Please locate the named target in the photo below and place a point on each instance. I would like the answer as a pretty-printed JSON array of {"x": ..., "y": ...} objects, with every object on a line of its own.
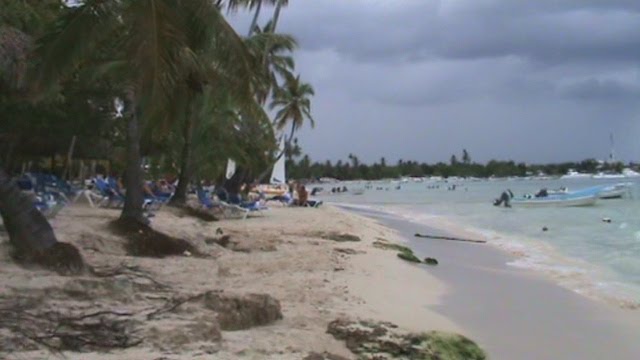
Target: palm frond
[
  {"x": 155, "y": 46},
  {"x": 233, "y": 5},
  {"x": 73, "y": 39}
]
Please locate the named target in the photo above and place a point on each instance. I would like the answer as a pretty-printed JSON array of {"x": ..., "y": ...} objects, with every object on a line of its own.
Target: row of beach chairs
[
  {"x": 231, "y": 209},
  {"x": 51, "y": 194}
]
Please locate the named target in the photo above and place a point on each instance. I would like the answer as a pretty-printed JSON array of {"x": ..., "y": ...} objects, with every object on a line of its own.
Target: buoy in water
[{"x": 545, "y": 228}]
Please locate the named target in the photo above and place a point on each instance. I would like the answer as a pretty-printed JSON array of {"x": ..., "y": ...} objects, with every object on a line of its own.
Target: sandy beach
[
  {"x": 285, "y": 253},
  {"x": 291, "y": 255}
]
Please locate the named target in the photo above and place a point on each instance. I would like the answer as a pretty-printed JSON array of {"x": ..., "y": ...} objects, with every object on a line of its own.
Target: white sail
[
  {"x": 278, "y": 175},
  {"x": 231, "y": 168}
]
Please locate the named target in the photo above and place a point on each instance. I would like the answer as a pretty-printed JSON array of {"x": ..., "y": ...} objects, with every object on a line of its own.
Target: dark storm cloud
[
  {"x": 602, "y": 90},
  {"x": 546, "y": 31},
  {"x": 421, "y": 79}
]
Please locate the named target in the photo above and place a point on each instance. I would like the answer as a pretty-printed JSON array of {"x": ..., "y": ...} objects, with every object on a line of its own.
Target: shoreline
[
  {"x": 576, "y": 275},
  {"x": 518, "y": 313}
]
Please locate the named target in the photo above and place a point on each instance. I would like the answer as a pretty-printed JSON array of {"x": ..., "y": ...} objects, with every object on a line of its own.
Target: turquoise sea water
[{"x": 579, "y": 249}]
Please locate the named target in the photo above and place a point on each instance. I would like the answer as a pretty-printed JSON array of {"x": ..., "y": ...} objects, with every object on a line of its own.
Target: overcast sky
[{"x": 528, "y": 80}]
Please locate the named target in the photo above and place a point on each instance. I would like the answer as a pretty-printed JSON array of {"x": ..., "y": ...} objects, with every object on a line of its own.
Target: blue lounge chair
[
  {"x": 156, "y": 199},
  {"x": 48, "y": 205},
  {"x": 110, "y": 195},
  {"x": 235, "y": 199},
  {"x": 227, "y": 210},
  {"x": 47, "y": 202}
]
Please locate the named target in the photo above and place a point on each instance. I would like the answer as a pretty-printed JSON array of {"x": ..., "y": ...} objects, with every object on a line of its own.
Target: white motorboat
[
  {"x": 572, "y": 174},
  {"x": 615, "y": 191},
  {"x": 566, "y": 200},
  {"x": 630, "y": 173},
  {"x": 602, "y": 175}
]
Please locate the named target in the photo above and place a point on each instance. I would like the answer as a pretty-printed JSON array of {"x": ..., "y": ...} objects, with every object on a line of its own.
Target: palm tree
[
  {"x": 294, "y": 105},
  {"x": 213, "y": 67},
  {"x": 276, "y": 13},
  {"x": 251, "y": 4},
  {"x": 154, "y": 57},
  {"x": 30, "y": 233},
  {"x": 273, "y": 52}
]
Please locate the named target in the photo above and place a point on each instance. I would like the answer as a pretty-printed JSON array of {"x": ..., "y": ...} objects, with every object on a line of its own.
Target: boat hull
[
  {"x": 553, "y": 201},
  {"x": 615, "y": 192}
]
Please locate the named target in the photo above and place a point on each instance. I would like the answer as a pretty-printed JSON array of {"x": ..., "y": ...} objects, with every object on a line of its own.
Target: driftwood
[
  {"x": 449, "y": 238},
  {"x": 172, "y": 304},
  {"x": 58, "y": 332},
  {"x": 131, "y": 272}
]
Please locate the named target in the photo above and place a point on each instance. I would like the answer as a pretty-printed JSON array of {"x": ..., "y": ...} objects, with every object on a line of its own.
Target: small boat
[
  {"x": 572, "y": 174},
  {"x": 615, "y": 191},
  {"x": 560, "y": 200},
  {"x": 630, "y": 173},
  {"x": 602, "y": 175}
]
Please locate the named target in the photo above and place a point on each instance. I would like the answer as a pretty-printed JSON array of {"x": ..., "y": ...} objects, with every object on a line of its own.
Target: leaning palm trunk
[
  {"x": 254, "y": 22},
  {"x": 30, "y": 233},
  {"x": 180, "y": 196},
  {"x": 134, "y": 198},
  {"x": 276, "y": 16}
]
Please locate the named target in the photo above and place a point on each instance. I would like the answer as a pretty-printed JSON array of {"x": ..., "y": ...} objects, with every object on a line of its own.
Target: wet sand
[{"x": 515, "y": 313}]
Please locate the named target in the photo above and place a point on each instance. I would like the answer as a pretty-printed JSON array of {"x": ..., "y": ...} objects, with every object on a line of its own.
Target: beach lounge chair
[
  {"x": 28, "y": 183},
  {"x": 150, "y": 202},
  {"x": 227, "y": 210},
  {"x": 48, "y": 205},
  {"x": 92, "y": 196},
  {"x": 110, "y": 196},
  {"x": 254, "y": 206},
  {"x": 314, "y": 203},
  {"x": 25, "y": 183},
  {"x": 155, "y": 199}
]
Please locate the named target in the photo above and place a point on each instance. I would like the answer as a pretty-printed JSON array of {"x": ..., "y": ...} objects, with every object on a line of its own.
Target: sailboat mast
[{"x": 612, "y": 156}]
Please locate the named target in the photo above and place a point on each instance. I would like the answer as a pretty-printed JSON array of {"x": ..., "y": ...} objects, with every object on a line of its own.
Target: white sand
[{"x": 285, "y": 257}]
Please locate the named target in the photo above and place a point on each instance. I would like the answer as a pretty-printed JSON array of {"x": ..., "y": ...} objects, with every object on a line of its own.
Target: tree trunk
[
  {"x": 276, "y": 16},
  {"x": 254, "y": 22},
  {"x": 134, "y": 198},
  {"x": 67, "y": 162},
  {"x": 30, "y": 233},
  {"x": 9, "y": 155},
  {"x": 180, "y": 196}
]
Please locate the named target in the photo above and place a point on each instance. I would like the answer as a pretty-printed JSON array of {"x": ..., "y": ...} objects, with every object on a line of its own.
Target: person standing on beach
[{"x": 303, "y": 195}]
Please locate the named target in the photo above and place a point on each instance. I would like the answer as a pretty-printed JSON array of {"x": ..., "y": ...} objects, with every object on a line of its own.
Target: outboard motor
[
  {"x": 542, "y": 193},
  {"x": 505, "y": 199}
]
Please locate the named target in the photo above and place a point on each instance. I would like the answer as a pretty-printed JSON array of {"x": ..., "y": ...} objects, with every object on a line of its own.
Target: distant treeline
[{"x": 352, "y": 168}]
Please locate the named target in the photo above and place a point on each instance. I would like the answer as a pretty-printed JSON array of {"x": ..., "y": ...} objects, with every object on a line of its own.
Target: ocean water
[{"x": 579, "y": 249}]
